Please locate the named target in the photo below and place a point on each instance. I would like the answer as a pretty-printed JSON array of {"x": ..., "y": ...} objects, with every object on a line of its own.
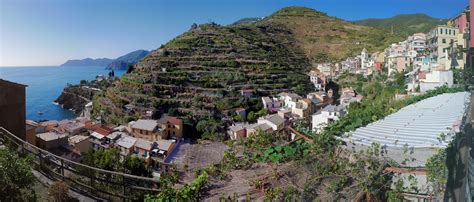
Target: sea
[{"x": 45, "y": 84}]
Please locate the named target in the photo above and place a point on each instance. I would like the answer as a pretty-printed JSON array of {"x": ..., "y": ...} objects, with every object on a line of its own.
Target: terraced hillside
[
  {"x": 406, "y": 24},
  {"x": 201, "y": 73},
  {"x": 324, "y": 38}
]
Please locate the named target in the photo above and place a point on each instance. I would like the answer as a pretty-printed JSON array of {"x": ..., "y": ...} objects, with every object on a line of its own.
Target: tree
[
  {"x": 16, "y": 178},
  {"x": 251, "y": 117},
  {"x": 83, "y": 82},
  {"x": 135, "y": 166},
  {"x": 103, "y": 158}
]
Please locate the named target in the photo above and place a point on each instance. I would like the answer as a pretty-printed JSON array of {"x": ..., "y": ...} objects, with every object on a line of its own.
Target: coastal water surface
[{"x": 45, "y": 85}]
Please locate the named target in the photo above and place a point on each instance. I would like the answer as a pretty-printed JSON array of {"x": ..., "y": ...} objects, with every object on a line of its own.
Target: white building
[
  {"x": 318, "y": 83},
  {"x": 327, "y": 115},
  {"x": 435, "y": 79},
  {"x": 289, "y": 99}
]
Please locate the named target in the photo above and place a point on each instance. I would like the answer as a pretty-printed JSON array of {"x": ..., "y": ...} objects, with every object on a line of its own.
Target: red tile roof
[
  {"x": 171, "y": 119},
  {"x": 103, "y": 130}
]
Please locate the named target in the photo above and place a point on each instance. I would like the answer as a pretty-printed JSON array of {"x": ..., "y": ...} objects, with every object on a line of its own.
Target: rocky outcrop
[{"x": 75, "y": 98}]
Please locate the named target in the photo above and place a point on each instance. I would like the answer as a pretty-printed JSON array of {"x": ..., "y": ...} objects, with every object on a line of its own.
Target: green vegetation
[
  {"x": 189, "y": 192},
  {"x": 437, "y": 171},
  {"x": 109, "y": 159},
  {"x": 406, "y": 24},
  {"x": 293, "y": 151},
  {"x": 16, "y": 178}
]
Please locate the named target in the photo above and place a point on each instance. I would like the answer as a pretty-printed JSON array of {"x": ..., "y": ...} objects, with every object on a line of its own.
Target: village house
[
  {"x": 253, "y": 128},
  {"x": 439, "y": 41},
  {"x": 145, "y": 129},
  {"x": 51, "y": 140},
  {"x": 164, "y": 128},
  {"x": 269, "y": 123},
  {"x": 98, "y": 141},
  {"x": 349, "y": 96},
  {"x": 112, "y": 138},
  {"x": 172, "y": 127},
  {"x": 289, "y": 99},
  {"x": 143, "y": 148},
  {"x": 80, "y": 143},
  {"x": 126, "y": 145},
  {"x": 237, "y": 131},
  {"x": 271, "y": 104},
  {"x": 435, "y": 79},
  {"x": 326, "y": 116},
  {"x": 303, "y": 108},
  {"x": 275, "y": 121},
  {"x": 70, "y": 126},
  {"x": 318, "y": 79},
  {"x": 284, "y": 113},
  {"x": 161, "y": 150}
]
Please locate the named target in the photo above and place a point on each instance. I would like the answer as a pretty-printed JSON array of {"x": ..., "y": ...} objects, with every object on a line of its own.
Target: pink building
[
  {"x": 460, "y": 22},
  {"x": 471, "y": 27}
]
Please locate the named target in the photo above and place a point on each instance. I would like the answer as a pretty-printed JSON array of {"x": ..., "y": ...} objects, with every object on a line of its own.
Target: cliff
[{"x": 75, "y": 97}]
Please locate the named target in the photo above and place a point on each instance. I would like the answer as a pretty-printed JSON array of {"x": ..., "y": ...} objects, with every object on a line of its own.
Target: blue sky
[{"x": 48, "y": 32}]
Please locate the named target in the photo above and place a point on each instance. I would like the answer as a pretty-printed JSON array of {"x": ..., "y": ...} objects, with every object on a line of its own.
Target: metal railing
[{"x": 114, "y": 186}]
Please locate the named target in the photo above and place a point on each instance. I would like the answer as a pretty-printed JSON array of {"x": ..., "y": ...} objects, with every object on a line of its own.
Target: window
[
  {"x": 452, "y": 41},
  {"x": 444, "y": 40},
  {"x": 441, "y": 31},
  {"x": 454, "y": 32},
  {"x": 449, "y": 32}
]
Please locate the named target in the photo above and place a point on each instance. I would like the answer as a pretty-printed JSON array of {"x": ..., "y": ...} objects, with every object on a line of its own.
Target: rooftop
[
  {"x": 143, "y": 144},
  {"x": 97, "y": 135},
  {"x": 170, "y": 119},
  {"x": 262, "y": 127},
  {"x": 126, "y": 141},
  {"x": 49, "y": 136},
  {"x": 266, "y": 99},
  {"x": 164, "y": 144},
  {"x": 418, "y": 125},
  {"x": 275, "y": 119},
  {"x": 145, "y": 124},
  {"x": 77, "y": 138}
]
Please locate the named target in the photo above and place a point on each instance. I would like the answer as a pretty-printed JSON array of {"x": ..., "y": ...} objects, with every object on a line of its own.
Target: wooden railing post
[
  {"x": 62, "y": 169},
  {"x": 40, "y": 157}
]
